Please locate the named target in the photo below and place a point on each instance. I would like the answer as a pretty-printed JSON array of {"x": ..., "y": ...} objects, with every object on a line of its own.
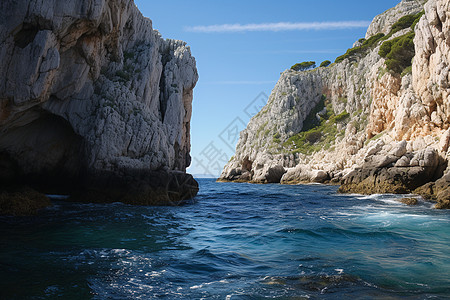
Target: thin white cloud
[
  {"x": 242, "y": 82},
  {"x": 321, "y": 51},
  {"x": 281, "y": 26}
]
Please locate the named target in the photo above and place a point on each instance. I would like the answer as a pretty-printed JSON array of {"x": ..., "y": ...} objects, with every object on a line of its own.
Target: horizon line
[
  {"x": 240, "y": 82},
  {"x": 276, "y": 27}
]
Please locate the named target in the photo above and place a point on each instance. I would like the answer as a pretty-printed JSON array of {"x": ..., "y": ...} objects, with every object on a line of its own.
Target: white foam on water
[
  {"x": 421, "y": 284},
  {"x": 139, "y": 284},
  {"x": 368, "y": 197},
  {"x": 120, "y": 251},
  {"x": 154, "y": 273},
  {"x": 384, "y": 218},
  {"x": 207, "y": 283},
  {"x": 348, "y": 195},
  {"x": 416, "y": 283},
  {"x": 394, "y": 200},
  {"x": 396, "y": 215},
  {"x": 347, "y": 214},
  {"x": 388, "y": 207},
  {"x": 391, "y": 202},
  {"x": 229, "y": 297}
]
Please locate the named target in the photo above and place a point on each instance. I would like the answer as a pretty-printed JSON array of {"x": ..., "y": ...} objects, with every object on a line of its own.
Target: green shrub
[
  {"x": 366, "y": 45},
  {"x": 325, "y": 63},
  {"x": 385, "y": 48},
  {"x": 340, "y": 117},
  {"x": 313, "y": 136},
  {"x": 303, "y": 66},
  {"x": 349, "y": 53},
  {"x": 398, "y": 52},
  {"x": 372, "y": 40},
  {"x": 403, "y": 22}
]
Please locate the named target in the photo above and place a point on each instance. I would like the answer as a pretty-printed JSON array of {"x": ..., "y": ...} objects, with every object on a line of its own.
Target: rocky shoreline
[
  {"x": 370, "y": 122},
  {"x": 386, "y": 168}
]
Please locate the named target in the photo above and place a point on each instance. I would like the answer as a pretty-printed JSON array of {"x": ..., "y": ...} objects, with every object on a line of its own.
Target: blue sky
[{"x": 241, "y": 48}]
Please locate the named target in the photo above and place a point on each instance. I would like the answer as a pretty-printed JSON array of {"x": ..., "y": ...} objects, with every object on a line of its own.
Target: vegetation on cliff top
[
  {"x": 325, "y": 63},
  {"x": 403, "y": 23},
  {"x": 303, "y": 66},
  {"x": 362, "y": 48}
]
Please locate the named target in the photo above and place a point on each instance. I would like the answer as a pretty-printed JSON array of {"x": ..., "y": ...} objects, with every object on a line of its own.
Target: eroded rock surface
[
  {"x": 88, "y": 87},
  {"x": 394, "y": 171},
  {"x": 383, "y": 22}
]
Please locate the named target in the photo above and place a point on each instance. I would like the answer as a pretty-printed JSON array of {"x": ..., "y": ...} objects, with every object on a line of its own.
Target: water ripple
[{"x": 235, "y": 241}]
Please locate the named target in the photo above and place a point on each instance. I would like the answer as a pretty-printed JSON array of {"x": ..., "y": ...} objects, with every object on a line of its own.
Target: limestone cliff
[
  {"x": 90, "y": 93},
  {"x": 370, "y": 117}
]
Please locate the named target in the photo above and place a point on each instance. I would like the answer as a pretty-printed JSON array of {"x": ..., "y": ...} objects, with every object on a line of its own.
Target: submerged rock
[
  {"x": 89, "y": 88},
  {"x": 138, "y": 187},
  {"x": 22, "y": 201},
  {"x": 409, "y": 201}
]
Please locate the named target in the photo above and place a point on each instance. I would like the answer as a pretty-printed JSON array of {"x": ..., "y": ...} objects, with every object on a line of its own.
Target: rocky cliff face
[
  {"x": 343, "y": 123},
  {"x": 88, "y": 91},
  {"x": 383, "y": 22}
]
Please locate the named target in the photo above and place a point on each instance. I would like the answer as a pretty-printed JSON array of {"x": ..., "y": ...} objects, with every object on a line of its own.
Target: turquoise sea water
[{"x": 235, "y": 241}]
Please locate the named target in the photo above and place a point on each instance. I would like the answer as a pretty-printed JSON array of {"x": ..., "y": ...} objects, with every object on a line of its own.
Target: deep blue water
[{"x": 236, "y": 241}]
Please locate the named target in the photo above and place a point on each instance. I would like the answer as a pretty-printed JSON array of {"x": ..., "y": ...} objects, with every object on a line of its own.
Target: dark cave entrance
[{"x": 43, "y": 152}]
